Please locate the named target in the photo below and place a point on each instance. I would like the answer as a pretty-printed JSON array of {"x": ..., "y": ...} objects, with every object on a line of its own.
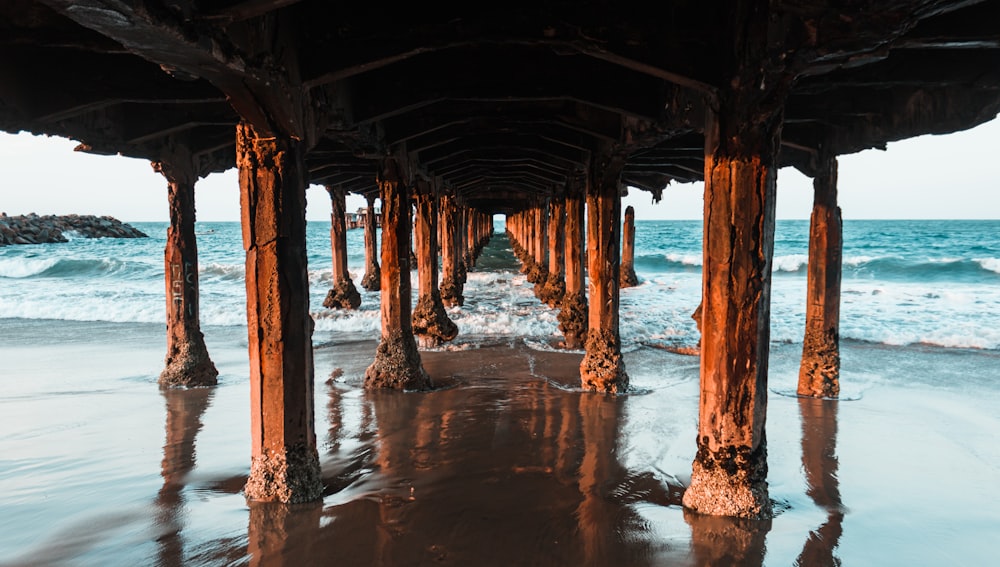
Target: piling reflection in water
[
  {"x": 819, "y": 460},
  {"x": 184, "y": 410},
  {"x": 721, "y": 540},
  {"x": 502, "y": 468},
  {"x": 280, "y": 535},
  {"x": 508, "y": 464}
]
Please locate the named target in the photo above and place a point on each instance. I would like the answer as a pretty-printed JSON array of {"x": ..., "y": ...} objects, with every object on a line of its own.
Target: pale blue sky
[{"x": 940, "y": 177}]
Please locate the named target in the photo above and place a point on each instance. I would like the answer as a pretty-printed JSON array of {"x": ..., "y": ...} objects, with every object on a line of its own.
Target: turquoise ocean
[
  {"x": 904, "y": 283},
  {"x": 512, "y": 464}
]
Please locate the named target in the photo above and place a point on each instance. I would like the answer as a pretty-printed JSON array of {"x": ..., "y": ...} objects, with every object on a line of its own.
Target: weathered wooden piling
[
  {"x": 451, "y": 286},
  {"x": 573, "y": 310},
  {"x": 461, "y": 267},
  {"x": 729, "y": 475},
  {"x": 342, "y": 294},
  {"x": 819, "y": 373},
  {"x": 431, "y": 324},
  {"x": 553, "y": 289},
  {"x": 603, "y": 368},
  {"x": 372, "y": 280},
  {"x": 397, "y": 362},
  {"x": 285, "y": 463},
  {"x": 526, "y": 229},
  {"x": 469, "y": 239},
  {"x": 187, "y": 362},
  {"x": 537, "y": 272},
  {"x": 628, "y": 277}
]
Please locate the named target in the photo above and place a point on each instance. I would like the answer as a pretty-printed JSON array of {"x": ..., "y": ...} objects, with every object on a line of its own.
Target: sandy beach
[{"x": 506, "y": 463}]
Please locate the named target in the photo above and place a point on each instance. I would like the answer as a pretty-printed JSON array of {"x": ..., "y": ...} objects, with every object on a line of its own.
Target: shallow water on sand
[{"x": 507, "y": 463}]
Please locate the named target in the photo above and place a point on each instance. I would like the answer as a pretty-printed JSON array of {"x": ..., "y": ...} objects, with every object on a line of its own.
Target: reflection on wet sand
[
  {"x": 185, "y": 408},
  {"x": 720, "y": 540},
  {"x": 503, "y": 468},
  {"x": 508, "y": 465},
  {"x": 280, "y": 533},
  {"x": 819, "y": 459}
]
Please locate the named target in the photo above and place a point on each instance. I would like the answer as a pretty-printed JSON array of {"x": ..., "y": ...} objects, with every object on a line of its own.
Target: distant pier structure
[{"x": 533, "y": 110}]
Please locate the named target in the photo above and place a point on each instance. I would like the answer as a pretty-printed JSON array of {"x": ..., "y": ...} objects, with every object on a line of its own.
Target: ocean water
[
  {"x": 508, "y": 463},
  {"x": 904, "y": 283}
]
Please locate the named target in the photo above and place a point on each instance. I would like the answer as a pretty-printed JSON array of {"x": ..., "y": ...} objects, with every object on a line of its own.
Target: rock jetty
[{"x": 35, "y": 229}]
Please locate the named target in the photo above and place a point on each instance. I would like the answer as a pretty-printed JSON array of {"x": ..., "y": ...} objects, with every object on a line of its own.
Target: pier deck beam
[
  {"x": 285, "y": 463},
  {"x": 431, "y": 324},
  {"x": 628, "y": 277},
  {"x": 573, "y": 308},
  {"x": 819, "y": 373},
  {"x": 603, "y": 368},
  {"x": 372, "y": 281},
  {"x": 397, "y": 363},
  {"x": 187, "y": 362},
  {"x": 342, "y": 294}
]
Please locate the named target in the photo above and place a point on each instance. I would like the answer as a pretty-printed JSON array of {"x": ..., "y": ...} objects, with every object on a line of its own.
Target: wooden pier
[{"x": 522, "y": 109}]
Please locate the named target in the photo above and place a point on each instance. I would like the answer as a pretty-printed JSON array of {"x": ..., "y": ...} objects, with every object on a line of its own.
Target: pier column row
[
  {"x": 552, "y": 290},
  {"x": 516, "y": 232},
  {"x": 479, "y": 233},
  {"x": 526, "y": 227},
  {"x": 819, "y": 374},
  {"x": 372, "y": 280},
  {"x": 451, "y": 284},
  {"x": 397, "y": 362},
  {"x": 342, "y": 294},
  {"x": 285, "y": 463},
  {"x": 603, "y": 368},
  {"x": 537, "y": 272},
  {"x": 187, "y": 361},
  {"x": 431, "y": 324},
  {"x": 461, "y": 265},
  {"x": 573, "y": 309}
]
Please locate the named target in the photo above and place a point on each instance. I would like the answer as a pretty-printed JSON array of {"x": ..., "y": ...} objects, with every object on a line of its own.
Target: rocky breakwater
[{"x": 35, "y": 229}]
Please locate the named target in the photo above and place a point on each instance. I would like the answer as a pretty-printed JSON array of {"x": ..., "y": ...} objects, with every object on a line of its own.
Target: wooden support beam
[
  {"x": 451, "y": 286},
  {"x": 537, "y": 271},
  {"x": 462, "y": 267},
  {"x": 265, "y": 91},
  {"x": 628, "y": 277},
  {"x": 342, "y": 294},
  {"x": 603, "y": 368},
  {"x": 573, "y": 309},
  {"x": 373, "y": 273},
  {"x": 819, "y": 373},
  {"x": 553, "y": 289},
  {"x": 397, "y": 363},
  {"x": 187, "y": 360},
  {"x": 246, "y": 9},
  {"x": 431, "y": 324},
  {"x": 742, "y": 140},
  {"x": 285, "y": 463}
]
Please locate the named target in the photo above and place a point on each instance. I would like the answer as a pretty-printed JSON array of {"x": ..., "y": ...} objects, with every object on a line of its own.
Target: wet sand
[{"x": 507, "y": 463}]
